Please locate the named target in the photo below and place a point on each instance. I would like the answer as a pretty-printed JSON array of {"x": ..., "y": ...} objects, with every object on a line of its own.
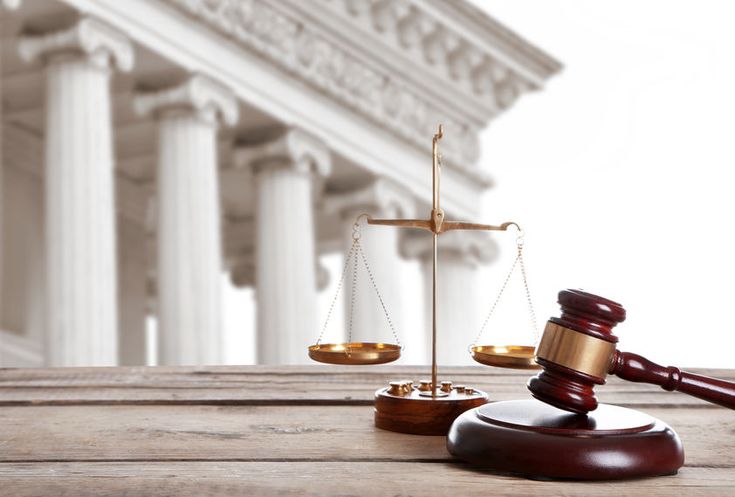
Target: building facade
[{"x": 149, "y": 146}]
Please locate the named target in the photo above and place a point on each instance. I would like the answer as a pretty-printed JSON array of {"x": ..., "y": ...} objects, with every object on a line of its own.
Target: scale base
[
  {"x": 529, "y": 438},
  {"x": 407, "y": 409}
]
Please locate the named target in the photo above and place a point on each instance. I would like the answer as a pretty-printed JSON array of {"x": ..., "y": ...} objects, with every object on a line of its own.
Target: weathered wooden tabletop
[{"x": 291, "y": 431}]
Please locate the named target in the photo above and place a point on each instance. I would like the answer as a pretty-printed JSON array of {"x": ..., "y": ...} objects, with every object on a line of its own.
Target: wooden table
[{"x": 290, "y": 431}]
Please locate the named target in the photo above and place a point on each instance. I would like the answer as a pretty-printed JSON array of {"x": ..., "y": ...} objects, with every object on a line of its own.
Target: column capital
[
  {"x": 383, "y": 197},
  {"x": 291, "y": 147},
  {"x": 199, "y": 94},
  {"x": 471, "y": 247},
  {"x": 243, "y": 271},
  {"x": 88, "y": 37}
]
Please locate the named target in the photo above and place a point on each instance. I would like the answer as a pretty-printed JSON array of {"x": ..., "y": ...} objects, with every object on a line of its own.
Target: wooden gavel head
[{"x": 576, "y": 351}]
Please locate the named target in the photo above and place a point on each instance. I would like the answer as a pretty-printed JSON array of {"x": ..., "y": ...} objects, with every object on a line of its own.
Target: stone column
[
  {"x": 459, "y": 312},
  {"x": 383, "y": 198},
  {"x": 285, "y": 274},
  {"x": 80, "y": 221},
  {"x": 189, "y": 237}
]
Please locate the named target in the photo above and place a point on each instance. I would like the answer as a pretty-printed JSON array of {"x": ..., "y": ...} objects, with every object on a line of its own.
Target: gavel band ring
[{"x": 575, "y": 350}]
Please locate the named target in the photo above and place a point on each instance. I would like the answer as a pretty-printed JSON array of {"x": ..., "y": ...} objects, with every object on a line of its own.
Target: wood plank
[
  {"x": 262, "y": 385},
  {"x": 323, "y": 479},
  {"x": 274, "y": 433}
]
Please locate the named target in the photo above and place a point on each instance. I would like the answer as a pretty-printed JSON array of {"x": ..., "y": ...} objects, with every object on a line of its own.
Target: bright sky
[
  {"x": 621, "y": 169},
  {"x": 621, "y": 172}
]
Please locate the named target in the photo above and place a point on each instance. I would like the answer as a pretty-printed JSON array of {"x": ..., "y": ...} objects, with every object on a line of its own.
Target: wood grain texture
[
  {"x": 290, "y": 431},
  {"x": 310, "y": 479},
  {"x": 344, "y": 433}
]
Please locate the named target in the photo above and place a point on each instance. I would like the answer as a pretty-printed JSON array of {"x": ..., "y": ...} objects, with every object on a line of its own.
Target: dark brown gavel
[{"x": 578, "y": 350}]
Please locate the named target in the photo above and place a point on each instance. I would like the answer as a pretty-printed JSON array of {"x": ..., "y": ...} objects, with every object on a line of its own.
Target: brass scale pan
[
  {"x": 356, "y": 353},
  {"x": 505, "y": 356}
]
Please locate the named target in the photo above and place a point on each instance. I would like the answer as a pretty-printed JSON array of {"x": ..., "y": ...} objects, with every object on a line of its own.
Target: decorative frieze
[{"x": 358, "y": 81}]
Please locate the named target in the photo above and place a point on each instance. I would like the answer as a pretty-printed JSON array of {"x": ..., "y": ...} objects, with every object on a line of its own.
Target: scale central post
[
  {"x": 437, "y": 215},
  {"x": 437, "y": 225}
]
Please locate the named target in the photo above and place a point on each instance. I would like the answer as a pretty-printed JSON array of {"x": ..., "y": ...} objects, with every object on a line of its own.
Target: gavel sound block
[{"x": 585, "y": 440}]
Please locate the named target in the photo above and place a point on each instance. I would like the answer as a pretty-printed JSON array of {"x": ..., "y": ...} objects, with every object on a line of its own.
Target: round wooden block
[
  {"x": 422, "y": 415},
  {"x": 529, "y": 438}
]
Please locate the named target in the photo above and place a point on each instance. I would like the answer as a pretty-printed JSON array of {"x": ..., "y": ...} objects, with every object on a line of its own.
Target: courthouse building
[{"x": 150, "y": 146}]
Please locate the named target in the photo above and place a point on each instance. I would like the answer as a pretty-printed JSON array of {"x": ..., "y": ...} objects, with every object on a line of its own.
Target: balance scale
[
  {"x": 524, "y": 437},
  {"x": 429, "y": 407}
]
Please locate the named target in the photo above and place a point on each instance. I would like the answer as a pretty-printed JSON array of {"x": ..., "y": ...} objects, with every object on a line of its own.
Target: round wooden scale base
[
  {"x": 417, "y": 413},
  {"x": 532, "y": 439}
]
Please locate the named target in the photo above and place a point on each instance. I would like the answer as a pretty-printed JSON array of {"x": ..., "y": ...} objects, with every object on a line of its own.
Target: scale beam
[
  {"x": 461, "y": 225},
  {"x": 404, "y": 223},
  {"x": 429, "y": 225}
]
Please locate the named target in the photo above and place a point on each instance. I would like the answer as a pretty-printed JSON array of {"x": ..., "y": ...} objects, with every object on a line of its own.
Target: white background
[{"x": 620, "y": 171}]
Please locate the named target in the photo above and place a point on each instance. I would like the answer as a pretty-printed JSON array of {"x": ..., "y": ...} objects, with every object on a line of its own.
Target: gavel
[{"x": 578, "y": 350}]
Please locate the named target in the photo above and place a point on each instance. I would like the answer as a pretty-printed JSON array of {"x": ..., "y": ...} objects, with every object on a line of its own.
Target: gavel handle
[{"x": 633, "y": 367}]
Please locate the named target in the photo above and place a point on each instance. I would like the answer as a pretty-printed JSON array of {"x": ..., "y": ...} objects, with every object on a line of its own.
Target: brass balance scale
[{"x": 429, "y": 407}]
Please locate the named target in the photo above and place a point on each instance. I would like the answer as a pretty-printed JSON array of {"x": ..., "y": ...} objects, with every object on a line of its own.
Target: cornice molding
[
  {"x": 500, "y": 43},
  {"x": 434, "y": 37},
  {"x": 456, "y": 81}
]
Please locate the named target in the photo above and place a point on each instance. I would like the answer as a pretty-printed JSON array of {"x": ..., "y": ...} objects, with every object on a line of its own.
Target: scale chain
[
  {"x": 495, "y": 304},
  {"x": 531, "y": 311},
  {"x": 358, "y": 249},
  {"x": 517, "y": 262},
  {"x": 339, "y": 288},
  {"x": 352, "y": 256},
  {"x": 380, "y": 297}
]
